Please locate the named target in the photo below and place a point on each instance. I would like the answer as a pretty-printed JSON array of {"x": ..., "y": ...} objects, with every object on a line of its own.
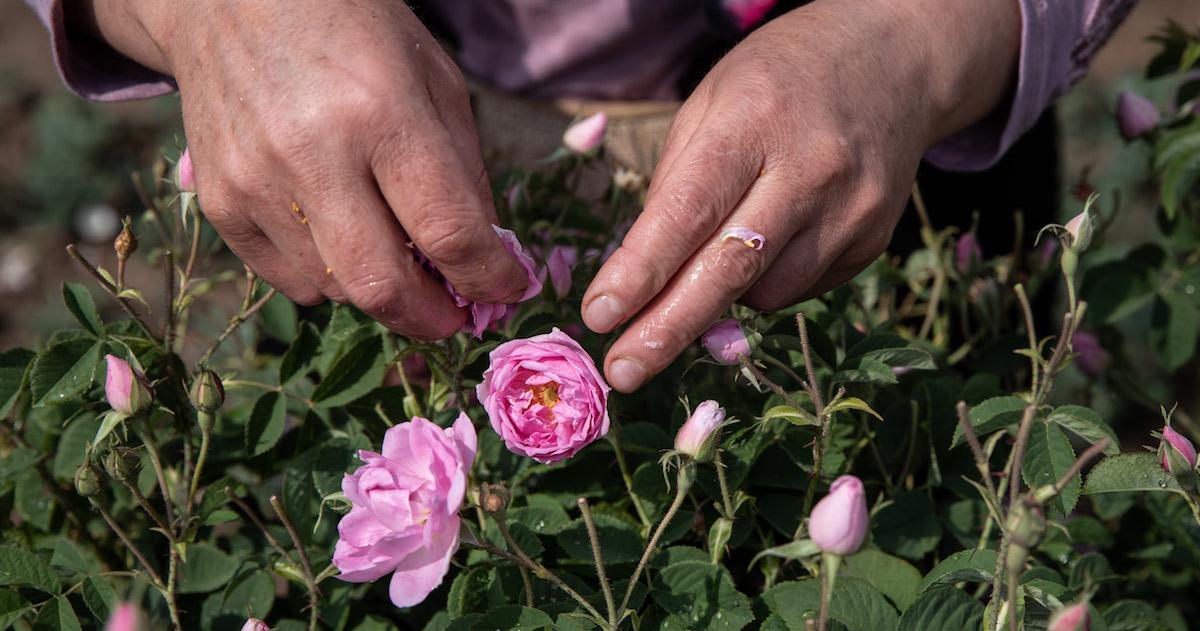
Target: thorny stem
[
  {"x": 150, "y": 207},
  {"x": 169, "y": 285},
  {"x": 172, "y": 581},
  {"x": 586, "y": 512},
  {"x": 774, "y": 387},
  {"x": 133, "y": 549},
  {"x": 156, "y": 462},
  {"x": 727, "y": 508},
  {"x": 1027, "y": 311},
  {"x": 240, "y": 503},
  {"x": 234, "y": 323},
  {"x": 829, "y": 570},
  {"x": 981, "y": 459},
  {"x": 522, "y": 560},
  {"x": 314, "y": 596},
  {"x": 682, "y": 483},
  {"x": 1087, "y": 455},
  {"x": 197, "y": 224},
  {"x": 112, "y": 291},
  {"x": 1014, "y": 471},
  {"x": 997, "y": 580},
  {"x": 146, "y": 506},
  {"x": 614, "y": 436},
  {"x": 814, "y": 393}
]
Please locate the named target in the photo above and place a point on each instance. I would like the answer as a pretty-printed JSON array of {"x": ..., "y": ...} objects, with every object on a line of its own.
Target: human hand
[
  {"x": 326, "y": 137},
  {"x": 809, "y": 133}
]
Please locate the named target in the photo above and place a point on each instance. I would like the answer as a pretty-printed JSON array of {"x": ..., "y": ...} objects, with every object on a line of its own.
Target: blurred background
[{"x": 66, "y": 164}]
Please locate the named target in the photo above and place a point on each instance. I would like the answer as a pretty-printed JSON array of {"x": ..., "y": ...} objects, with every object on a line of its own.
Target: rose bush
[{"x": 956, "y": 439}]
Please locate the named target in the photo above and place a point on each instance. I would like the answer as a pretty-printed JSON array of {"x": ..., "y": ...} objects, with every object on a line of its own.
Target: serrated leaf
[
  {"x": 23, "y": 568},
  {"x": 13, "y": 365},
  {"x": 894, "y": 577},
  {"x": 57, "y": 615},
  {"x": 907, "y": 357},
  {"x": 965, "y": 565},
  {"x": 852, "y": 403},
  {"x": 301, "y": 353},
  {"x": 855, "y": 604},
  {"x": 352, "y": 375},
  {"x": 265, "y": 425},
  {"x": 1048, "y": 455},
  {"x": 64, "y": 371},
  {"x": 704, "y": 595},
  {"x": 468, "y": 591},
  {"x": 1130, "y": 472},
  {"x": 12, "y": 607},
  {"x": 942, "y": 609},
  {"x": 795, "y": 416},
  {"x": 990, "y": 415},
  {"x": 513, "y": 617},
  {"x": 907, "y": 527},
  {"x": 207, "y": 569},
  {"x": 134, "y": 294},
  {"x": 867, "y": 371},
  {"x": 72, "y": 448},
  {"x": 1087, "y": 424},
  {"x": 99, "y": 596},
  {"x": 541, "y": 514},
  {"x": 79, "y": 302}
]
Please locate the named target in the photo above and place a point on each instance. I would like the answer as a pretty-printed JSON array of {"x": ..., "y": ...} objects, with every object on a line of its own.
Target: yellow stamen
[{"x": 545, "y": 394}]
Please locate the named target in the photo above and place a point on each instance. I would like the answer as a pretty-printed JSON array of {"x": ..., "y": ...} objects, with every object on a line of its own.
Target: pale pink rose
[
  {"x": 404, "y": 518},
  {"x": 726, "y": 342},
  {"x": 967, "y": 253},
  {"x": 125, "y": 617},
  {"x": 1090, "y": 356},
  {"x": 544, "y": 396},
  {"x": 1176, "y": 445},
  {"x": 185, "y": 172},
  {"x": 839, "y": 521},
  {"x": 560, "y": 264},
  {"x": 747, "y": 13},
  {"x": 1136, "y": 115},
  {"x": 125, "y": 387},
  {"x": 1073, "y": 617},
  {"x": 587, "y": 135},
  {"x": 695, "y": 437},
  {"x": 254, "y": 624}
]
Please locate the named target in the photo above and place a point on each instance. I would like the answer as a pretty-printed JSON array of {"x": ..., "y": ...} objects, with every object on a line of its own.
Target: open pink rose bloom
[
  {"x": 406, "y": 500},
  {"x": 545, "y": 397}
]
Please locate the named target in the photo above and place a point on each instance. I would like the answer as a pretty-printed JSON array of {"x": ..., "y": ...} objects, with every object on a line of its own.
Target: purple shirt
[{"x": 638, "y": 49}]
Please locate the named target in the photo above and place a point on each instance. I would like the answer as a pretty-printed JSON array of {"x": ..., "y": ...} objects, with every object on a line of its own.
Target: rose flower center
[{"x": 545, "y": 394}]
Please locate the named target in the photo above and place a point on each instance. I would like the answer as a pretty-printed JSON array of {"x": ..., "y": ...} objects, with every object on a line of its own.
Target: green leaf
[
  {"x": 513, "y": 617},
  {"x": 852, "y": 403},
  {"x": 703, "y": 595},
  {"x": 64, "y": 371},
  {"x": 57, "y": 615},
  {"x": 23, "y": 568},
  {"x": 33, "y": 501},
  {"x": 251, "y": 593},
  {"x": 17, "y": 463},
  {"x": 855, "y": 604},
  {"x": 1177, "y": 161},
  {"x": 907, "y": 527},
  {"x": 619, "y": 540},
  {"x": 908, "y": 357},
  {"x": 68, "y": 557},
  {"x": 1087, "y": 424},
  {"x": 991, "y": 415},
  {"x": 1130, "y": 472},
  {"x": 13, "y": 364},
  {"x": 1174, "y": 327},
  {"x": 942, "y": 609},
  {"x": 868, "y": 371},
  {"x": 353, "y": 374},
  {"x": 301, "y": 353},
  {"x": 72, "y": 448},
  {"x": 207, "y": 569},
  {"x": 278, "y": 316},
  {"x": 1047, "y": 457},
  {"x": 79, "y": 303},
  {"x": 893, "y": 577},
  {"x": 541, "y": 514},
  {"x": 1090, "y": 569},
  {"x": 265, "y": 425},
  {"x": 12, "y": 607},
  {"x": 468, "y": 591},
  {"x": 795, "y": 416},
  {"x": 99, "y": 597},
  {"x": 800, "y": 549},
  {"x": 965, "y": 565}
]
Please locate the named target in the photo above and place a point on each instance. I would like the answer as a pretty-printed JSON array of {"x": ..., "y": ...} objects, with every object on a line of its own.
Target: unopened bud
[
  {"x": 122, "y": 463},
  {"x": 1073, "y": 617},
  {"x": 1176, "y": 453},
  {"x": 87, "y": 482},
  {"x": 1026, "y": 524},
  {"x": 699, "y": 434},
  {"x": 494, "y": 498},
  {"x": 126, "y": 242},
  {"x": 1136, "y": 115},
  {"x": 208, "y": 395}
]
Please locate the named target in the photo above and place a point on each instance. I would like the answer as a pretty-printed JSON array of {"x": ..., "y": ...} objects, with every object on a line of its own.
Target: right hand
[{"x": 352, "y": 112}]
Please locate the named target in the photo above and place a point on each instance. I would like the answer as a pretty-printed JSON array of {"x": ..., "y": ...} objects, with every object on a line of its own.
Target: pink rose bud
[
  {"x": 1090, "y": 356},
  {"x": 1176, "y": 453},
  {"x": 254, "y": 624},
  {"x": 587, "y": 135},
  {"x": 405, "y": 502},
  {"x": 1074, "y": 617},
  {"x": 125, "y": 617},
  {"x": 747, "y": 14},
  {"x": 1136, "y": 115},
  {"x": 1080, "y": 228},
  {"x": 697, "y": 437},
  {"x": 185, "y": 174},
  {"x": 484, "y": 314},
  {"x": 560, "y": 264},
  {"x": 839, "y": 521},
  {"x": 124, "y": 387},
  {"x": 544, "y": 396},
  {"x": 967, "y": 253},
  {"x": 726, "y": 342}
]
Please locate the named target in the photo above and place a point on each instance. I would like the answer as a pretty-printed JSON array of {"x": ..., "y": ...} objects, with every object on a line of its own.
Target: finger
[
  {"x": 452, "y": 102},
  {"x": 697, "y": 296},
  {"x": 287, "y": 224},
  {"x": 704, "y": 183},
  {"x": 439, "y": 205},
  {"x": 368, "y": 256}
]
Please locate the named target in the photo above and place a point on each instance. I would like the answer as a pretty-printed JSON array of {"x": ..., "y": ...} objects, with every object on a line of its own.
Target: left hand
[{"x": 809, "y": 133}]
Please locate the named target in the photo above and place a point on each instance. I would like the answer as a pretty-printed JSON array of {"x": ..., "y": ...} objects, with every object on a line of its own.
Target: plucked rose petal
[
  {"x": 726, "y": 342},
  {"x": 693, "y": 438},
  {"x": 186, "y": 173},
  {"x": 544, "y": 396},
  {"x": 1174, "y": 442},
  {"x": 838, "y": 523},
  {"x": 1136, "y": 115},
  {"x": 586, "y": 135},
  {"x": 404, "y": 519},
  {"x": 750, "y": 238}
]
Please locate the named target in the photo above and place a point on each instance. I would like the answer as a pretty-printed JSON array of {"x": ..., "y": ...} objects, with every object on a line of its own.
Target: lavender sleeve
[
  {"x": 1058, "y": 40},
  {"x": 91, "y": 68}
]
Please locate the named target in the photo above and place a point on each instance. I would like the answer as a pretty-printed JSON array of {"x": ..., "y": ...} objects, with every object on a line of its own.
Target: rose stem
[{"x": 586, "y": 511}]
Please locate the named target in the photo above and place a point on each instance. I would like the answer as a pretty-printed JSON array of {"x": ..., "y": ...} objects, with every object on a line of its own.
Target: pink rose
[
  {"x": 587, "y": 135},
  {"x": 125, "y": 387},
  {"x": 185, "y": 172},
  {"x": 839, "y": 521},
  {"x": 1136, "y": 115},
  {"x": 1073, "y": 617},
  {"x": 726, "y": 342},
  {"x": 1176, "y": 453},
  {"x": 405, "y": 508},
  {"x": 967, "y": 253},
  {"x": 544, "y": 396},
  {"x": 254, "y": 624},
  {"x": 695, "y": 438},
  {"x": 125, "y": 617},
  {"x": 560, "y": 264}
]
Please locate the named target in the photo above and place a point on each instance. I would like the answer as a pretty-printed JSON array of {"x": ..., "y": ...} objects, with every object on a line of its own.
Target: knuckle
[
  {"x": 736, "y": 268},
  {"x": 444, "y": 236},
  {"x": 374, "y": 294},
  {"x": 690, "y": 210}
]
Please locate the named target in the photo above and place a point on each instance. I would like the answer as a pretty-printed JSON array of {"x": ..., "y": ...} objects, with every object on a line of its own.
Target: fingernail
[
  {"x": 604, "y": 313},
  {"x": 626, "y": 374}
]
